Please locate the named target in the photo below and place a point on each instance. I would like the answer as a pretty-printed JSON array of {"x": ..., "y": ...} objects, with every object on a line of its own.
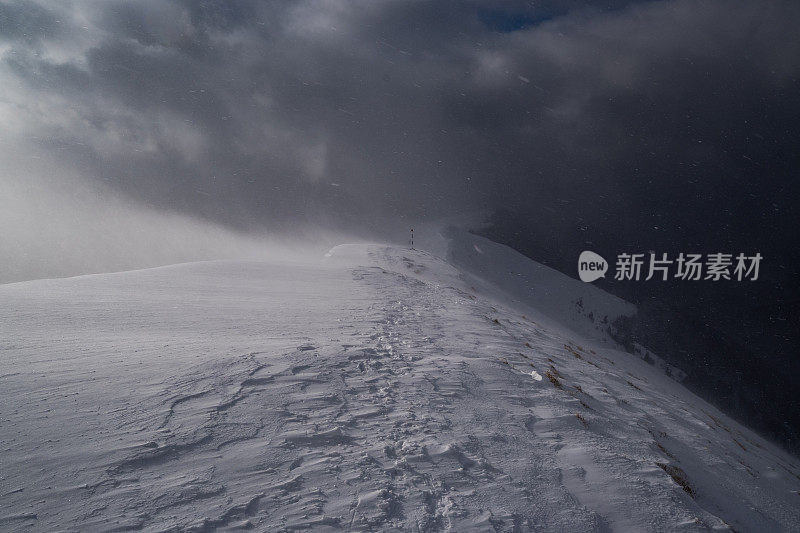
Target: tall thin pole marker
[{"x": 412, "y": 238}]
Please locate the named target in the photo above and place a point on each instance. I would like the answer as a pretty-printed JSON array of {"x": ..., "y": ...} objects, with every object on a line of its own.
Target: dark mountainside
[{"x": 738, "y": 352}]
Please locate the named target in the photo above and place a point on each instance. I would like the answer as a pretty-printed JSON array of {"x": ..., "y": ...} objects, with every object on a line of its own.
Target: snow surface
[{"x": 376, "y": 388}]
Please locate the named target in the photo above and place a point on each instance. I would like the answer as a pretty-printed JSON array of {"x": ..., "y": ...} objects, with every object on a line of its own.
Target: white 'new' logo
[{"x": 591, "y": 266}]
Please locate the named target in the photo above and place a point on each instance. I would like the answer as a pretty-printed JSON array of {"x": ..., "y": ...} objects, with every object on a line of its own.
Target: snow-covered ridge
[
  {"x": 583, "y": 306},
  {"x": 378, "y": 388}
]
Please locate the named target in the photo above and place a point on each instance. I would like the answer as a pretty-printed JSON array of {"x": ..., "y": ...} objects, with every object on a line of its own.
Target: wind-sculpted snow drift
[{"x": 379, "y": 388}]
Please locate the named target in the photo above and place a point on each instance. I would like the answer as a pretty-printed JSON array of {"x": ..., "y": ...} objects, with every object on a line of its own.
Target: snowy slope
[
  {"x": 377, "y": 388},
  {"x": 586, "y": 308}
]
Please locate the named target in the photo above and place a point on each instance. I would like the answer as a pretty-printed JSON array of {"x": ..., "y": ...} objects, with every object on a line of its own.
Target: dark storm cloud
[
  {"x": 267, "y": 114},
  {"x": 27, "y": 22}
]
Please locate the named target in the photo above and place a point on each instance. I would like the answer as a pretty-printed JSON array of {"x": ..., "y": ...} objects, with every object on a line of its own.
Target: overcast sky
[{"x": 671, "y": 123}]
